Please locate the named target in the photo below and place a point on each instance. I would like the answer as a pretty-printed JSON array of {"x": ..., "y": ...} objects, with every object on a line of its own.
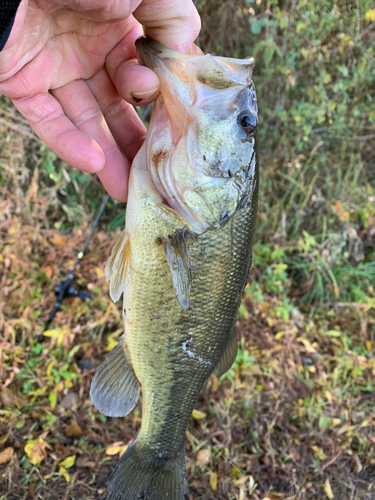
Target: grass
[{"x": 293, "y": 419}]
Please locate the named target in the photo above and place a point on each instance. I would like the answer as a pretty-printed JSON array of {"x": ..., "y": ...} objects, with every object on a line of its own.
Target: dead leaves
[
  {"x": 12, "y": 399},
  {"x": 198, "y": 415},
  {"x": 73, "y": 429},
  {"x": 328, "y": 490},
  {"x": 58, "y": 240},
  {"x": 203, "y": 457},
  {"x": 6, "y": 455},
  {"x": 116, "y": 448},
  {"x": 67, "y": 463},
  {"x": 36, "y": 450}
]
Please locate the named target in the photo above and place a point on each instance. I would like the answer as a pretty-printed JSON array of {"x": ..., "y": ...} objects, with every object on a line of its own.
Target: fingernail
[{"x": 139, "y": 96}]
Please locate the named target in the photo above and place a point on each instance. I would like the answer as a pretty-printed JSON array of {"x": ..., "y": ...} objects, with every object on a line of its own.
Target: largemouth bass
[{"x": 182, "y": 261}]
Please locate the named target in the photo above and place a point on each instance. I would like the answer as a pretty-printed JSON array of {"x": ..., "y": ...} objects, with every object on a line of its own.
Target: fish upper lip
[{"x": 144, "y": 44}]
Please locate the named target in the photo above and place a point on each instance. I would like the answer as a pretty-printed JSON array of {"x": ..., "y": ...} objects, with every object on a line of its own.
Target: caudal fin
[{"x": 138, "y": 476}]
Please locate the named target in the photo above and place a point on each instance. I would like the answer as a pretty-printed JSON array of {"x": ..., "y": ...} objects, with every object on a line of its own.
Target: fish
[{"x": 182, "y": 261}]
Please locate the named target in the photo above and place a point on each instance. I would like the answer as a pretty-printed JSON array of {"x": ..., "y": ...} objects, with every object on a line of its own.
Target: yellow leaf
[
  {"x": 370, "y": 15},
  {"x": 279, "y": 335},
  {"x": 203, "y": 457},
  {"x": 213, "y": 481},
  {"x": 111, "y": 344},
  {"x": 63, "y": 472},
  {"x": 49, "y": 368},
  {"x": 115, "y": 448},
  {"x": 68, "y": 462},
  {"x": 123, "y": 449},
  {"x": 55, "y": 333},
  {"x": 309, "y": 348},
  {"x": 241, "y": 481},
  {"x": 68, "y": 384},
  {"x": 73, "y": 429},
  {"x": 198, "y": 415},
  {"x": 99, "y": 272},
  {"x": 369, "y": 345},
  {"x": 328, "y": 490},
  {"x": 6, "y": 455},
  {"x": 36, "y": 450},
  {"x": 328, "y": 396},
  {"x": 58, "y": 240}
]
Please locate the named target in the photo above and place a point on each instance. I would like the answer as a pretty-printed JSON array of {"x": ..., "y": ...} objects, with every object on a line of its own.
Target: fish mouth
[
  {"x": 149, "y": 52},
  {"x": 219, "y": 72}
]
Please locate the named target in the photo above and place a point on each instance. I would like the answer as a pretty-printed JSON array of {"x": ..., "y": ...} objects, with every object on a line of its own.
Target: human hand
[{"x": 70, "y": 68}]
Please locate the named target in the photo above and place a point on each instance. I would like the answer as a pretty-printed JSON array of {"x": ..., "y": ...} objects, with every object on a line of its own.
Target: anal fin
[
  {"x": 117, "y": 267},
  {"x": 114, "y": 388},
  {"x": 179, "y": 265},
  {"x": 229, "y": 355}
]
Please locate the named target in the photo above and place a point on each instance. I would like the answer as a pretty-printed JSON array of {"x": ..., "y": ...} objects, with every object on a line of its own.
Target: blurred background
[{"x": 294, "y": 417}]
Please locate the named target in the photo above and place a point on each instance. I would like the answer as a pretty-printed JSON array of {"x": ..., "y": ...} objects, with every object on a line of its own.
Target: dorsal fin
[{"x": 117, "y": 266}]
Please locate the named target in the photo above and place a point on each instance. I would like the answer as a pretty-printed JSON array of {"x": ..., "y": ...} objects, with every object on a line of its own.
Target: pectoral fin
[
  {"x": 117, "y": 266},
  {"x": 229, "y": 355},
  {"x": 179, "y": 265},
  {"x": 114, "y": 388}
]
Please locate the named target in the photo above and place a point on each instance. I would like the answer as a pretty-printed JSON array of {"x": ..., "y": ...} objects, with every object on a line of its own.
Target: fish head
[{"x": 201, "y": 141}]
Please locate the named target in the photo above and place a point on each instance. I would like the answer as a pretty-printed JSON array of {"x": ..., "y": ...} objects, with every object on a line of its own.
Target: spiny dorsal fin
[
  {"x": 117, "y": 266},
  {"x": 114, "y": 388},
  {"x": 229, "y": 355},
  {"x": 179, "y": 265}
]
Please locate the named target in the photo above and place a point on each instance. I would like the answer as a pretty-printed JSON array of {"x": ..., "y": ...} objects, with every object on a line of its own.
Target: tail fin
[{"x": 136, "y": 477}]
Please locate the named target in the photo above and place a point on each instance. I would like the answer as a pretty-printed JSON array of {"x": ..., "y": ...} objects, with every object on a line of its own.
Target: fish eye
[{"x": 248, "y": 121}]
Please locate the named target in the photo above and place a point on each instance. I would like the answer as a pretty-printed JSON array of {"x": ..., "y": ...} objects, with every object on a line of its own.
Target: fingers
[
  {"x": 82, "y": 108},
  {"x": 47, "y": 118},
  {"x": 173, "y": 23},
  {"x": 124, "y": 123},
  {"x": 136, "y": 84}
]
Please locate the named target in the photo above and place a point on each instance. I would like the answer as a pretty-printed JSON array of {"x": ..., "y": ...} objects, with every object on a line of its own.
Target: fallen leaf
[
  {"x": 6, "y": 455},
  {"x": 328, "y": 490},
  {"x": 99, "y": 272},
  {"x": 68, "y": 462},
  {"x": 73, "y": 429},
  {"x": 198, "y": 415},
  {"x": 117, "y": 447},
  {"x": 213, "y": 481},
  {"x": 58, "y": 240},
  {"x": 203, "y": 457},
  {"x": 241, "y": 481},
  {"x": 81, "y": 462},
  {"x": 36, "y": 450},
  {"x": 11, "y": 399},
  {"x": 63, "y": 472},
  {"x": 357, "y": 463},
  {"x": 48, "y": 271},
  {"x": 69, "y": 400}
]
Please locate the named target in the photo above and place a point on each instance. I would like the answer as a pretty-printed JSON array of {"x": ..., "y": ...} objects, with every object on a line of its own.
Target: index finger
[{"x": 173, "y": 23}]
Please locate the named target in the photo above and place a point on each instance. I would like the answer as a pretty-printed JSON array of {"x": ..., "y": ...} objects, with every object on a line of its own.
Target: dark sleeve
[{"x": 8, "y": 9}]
